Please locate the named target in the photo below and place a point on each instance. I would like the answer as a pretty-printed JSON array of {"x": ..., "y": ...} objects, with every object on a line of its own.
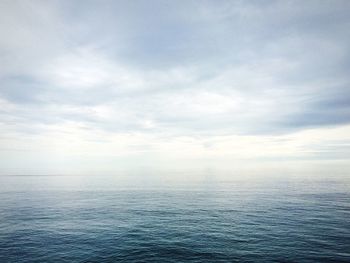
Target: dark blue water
[{"x": 71, "y": 219}]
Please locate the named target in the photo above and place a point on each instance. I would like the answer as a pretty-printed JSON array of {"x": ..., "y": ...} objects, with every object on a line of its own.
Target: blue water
[{"x": 99, "y": 219}]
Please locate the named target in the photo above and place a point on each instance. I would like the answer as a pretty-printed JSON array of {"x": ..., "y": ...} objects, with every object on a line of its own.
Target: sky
[{"x": 100, "y": 87}]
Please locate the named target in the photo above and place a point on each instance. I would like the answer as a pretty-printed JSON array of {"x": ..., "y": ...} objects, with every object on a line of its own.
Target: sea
[{"x": 107, "y": 219}]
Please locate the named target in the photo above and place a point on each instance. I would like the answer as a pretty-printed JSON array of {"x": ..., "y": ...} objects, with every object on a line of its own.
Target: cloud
[{"x": 174, "y": 69}]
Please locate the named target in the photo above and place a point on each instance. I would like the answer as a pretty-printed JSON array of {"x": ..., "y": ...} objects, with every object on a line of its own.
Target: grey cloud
[
  {"x": 276, "y": 60},
  {"x": 21, "y": 89},
  {"x": 331, "y": 109}
]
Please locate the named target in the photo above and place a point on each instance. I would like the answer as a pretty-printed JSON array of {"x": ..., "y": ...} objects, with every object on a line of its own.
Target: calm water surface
[{"x": 99, "y": 219}]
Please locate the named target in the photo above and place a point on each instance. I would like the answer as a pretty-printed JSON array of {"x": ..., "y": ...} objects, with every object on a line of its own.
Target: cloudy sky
[{"x": 90, "y": 87}]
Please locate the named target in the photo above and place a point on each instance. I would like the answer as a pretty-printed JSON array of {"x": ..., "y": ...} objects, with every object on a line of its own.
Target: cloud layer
[{"x": 150, "y": 73}]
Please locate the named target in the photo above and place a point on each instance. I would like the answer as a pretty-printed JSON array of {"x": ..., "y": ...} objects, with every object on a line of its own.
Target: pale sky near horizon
[{"x": 89, "y": 87}]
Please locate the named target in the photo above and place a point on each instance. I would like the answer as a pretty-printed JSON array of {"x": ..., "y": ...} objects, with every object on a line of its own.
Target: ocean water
[{"x": 101, "y": 219}]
